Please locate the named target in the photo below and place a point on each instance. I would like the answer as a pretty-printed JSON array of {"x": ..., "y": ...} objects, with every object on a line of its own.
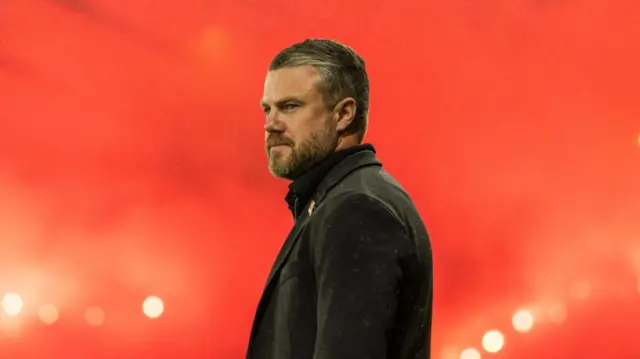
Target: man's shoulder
[
  {"x": 347, "y": 201},
  {"x": 373, "y": 184},
  {"x": 373, "y": 190}
]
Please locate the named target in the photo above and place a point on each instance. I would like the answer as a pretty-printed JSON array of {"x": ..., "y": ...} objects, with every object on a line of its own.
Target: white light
[
  {"x": 48, "y": 314},
  {"x": 94, "y": 316},
  {"x": 522, "y": 321},
  {"x": 153, "y": 307},
  {"x": 493, "y": 341},
  {"x": 470, "y": 353},
  {"x": 12, "y": 304}
]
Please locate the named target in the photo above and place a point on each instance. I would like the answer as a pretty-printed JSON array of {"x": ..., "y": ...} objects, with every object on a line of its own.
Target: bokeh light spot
[
  {"x": 470, "y": 353},
  {"x": 493, "y": 341},
  {"x": 153, "y": 307},
  {"x": 522, "y": 321},
  {"x": 12, "y": 304}
]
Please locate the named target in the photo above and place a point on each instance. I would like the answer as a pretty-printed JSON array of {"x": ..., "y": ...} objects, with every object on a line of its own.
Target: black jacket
[{"x": 353, "y": 279}]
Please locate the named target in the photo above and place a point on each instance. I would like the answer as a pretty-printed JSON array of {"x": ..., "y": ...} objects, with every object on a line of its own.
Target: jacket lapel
[{"x": 292, "y": 238}]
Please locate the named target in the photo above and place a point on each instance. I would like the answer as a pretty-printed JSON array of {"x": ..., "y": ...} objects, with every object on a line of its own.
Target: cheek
[
  {"x": 296, "y": 128},
  {"x": 303, "y": 125}
]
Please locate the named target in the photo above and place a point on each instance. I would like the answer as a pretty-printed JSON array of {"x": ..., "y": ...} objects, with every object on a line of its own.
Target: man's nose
[{"x": 273, "y": 124}]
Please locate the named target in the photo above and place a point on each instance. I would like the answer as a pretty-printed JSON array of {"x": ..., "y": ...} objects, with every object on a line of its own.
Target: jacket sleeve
[{"x": 356, "y": 259}]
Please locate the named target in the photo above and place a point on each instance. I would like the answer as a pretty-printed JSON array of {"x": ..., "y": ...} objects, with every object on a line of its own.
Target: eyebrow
[{"x": 282, "y": 101}]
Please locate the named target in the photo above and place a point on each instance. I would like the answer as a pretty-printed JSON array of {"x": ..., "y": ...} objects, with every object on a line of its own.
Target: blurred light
[
  {"x": 522, "y": 321},
  {"x": 557, "y": 314},
  {"x": 449, "y": 354},
  {"x": 94, "y": 316},
  {"x": 638, "y": 285},
  {"x": 580, "y": 289},
  {"x": 48, "y": 314},
  {"x": 12, "y": 304},
  {"x": 470, "y": 353},
  {"x": 153, "y": 307},
  {"x": 493, "y": 341}
]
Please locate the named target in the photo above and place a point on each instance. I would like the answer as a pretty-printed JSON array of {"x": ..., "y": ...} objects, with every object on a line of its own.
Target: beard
[{"x": 302, "y": 157}]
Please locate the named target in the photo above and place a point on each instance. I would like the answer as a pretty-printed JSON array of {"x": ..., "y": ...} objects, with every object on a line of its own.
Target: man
[{"x": 353, "y": 279}]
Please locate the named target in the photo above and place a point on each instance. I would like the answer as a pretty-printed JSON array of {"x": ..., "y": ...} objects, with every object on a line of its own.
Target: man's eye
[{"x": 290, "y": 107}]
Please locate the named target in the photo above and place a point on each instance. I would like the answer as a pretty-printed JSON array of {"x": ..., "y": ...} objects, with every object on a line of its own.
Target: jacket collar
[
  {"x": 364, "y": 158},
  {"x": 303, "y": 188}
]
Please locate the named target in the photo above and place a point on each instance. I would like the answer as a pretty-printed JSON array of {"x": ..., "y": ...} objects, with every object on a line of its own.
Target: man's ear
[{"x": 345, "y": 112}]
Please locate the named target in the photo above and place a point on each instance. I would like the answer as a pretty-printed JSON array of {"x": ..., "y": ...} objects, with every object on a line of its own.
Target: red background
[{"x": 132, "y": 163}]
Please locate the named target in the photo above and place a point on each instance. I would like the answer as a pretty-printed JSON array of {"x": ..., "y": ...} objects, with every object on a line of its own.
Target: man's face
[{"x": 300, "y": 130}]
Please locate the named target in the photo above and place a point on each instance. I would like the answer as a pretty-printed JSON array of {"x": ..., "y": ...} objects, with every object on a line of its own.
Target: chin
[
  {"x": 280, "y": 168},
  {"x": 275, "y": 172}
]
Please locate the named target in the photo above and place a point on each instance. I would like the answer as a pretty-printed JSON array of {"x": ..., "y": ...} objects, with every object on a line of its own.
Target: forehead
[{"x": 291, "y": 82}]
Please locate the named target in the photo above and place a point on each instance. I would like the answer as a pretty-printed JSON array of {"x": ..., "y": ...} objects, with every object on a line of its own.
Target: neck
[{"x": 346, "y": 142}]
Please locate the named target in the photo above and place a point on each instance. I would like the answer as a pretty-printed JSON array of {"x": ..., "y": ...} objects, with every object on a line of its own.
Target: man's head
[{"x": 316, "y": 101}]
